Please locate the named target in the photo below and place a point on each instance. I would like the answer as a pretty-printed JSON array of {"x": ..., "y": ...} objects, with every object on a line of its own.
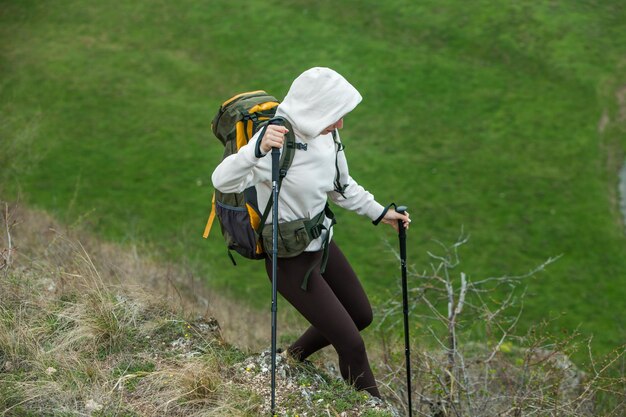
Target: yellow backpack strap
[
  {"x": 241, "y": 134},
  {"x": 209, "y": 222}
]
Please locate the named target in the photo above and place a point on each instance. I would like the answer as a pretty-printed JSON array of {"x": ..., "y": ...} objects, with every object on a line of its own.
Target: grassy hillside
[
  {"x": 500, "y": 118},
  {"x": 90, "y": 328}
]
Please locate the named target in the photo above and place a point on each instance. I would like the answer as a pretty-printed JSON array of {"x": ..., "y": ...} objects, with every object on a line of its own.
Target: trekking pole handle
[
  {"x": 401, "y": 210},
  {"x": 276, "y": 151},
  {"x": 275, "y": 164}
]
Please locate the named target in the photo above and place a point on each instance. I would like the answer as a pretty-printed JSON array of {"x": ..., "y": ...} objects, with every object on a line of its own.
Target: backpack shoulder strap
[
  {"x": 339, "y": 188},
  {"x": 289, "y": 150}
]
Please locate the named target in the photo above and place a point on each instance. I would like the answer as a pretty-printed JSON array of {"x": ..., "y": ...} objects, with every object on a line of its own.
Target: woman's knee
[
  {"x": 364, "y": 318},
  {"x": 351, "y": 347}
]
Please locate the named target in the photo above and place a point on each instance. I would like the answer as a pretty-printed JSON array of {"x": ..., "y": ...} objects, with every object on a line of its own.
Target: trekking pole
[
  {"x": 405, "y": 305},
  {"x": 275, "y": 173}
]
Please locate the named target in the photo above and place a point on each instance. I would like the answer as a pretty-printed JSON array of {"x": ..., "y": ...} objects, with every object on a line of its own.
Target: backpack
[{"x": 239, "y": 215}]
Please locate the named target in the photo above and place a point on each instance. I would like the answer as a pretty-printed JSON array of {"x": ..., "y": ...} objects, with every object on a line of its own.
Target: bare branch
[
  {"x": 507, "y": 279},
  {"x": 505, "y": 334},
  {"x": 7, "y": 253},
  {"x": 462, "y": 294},
  {"x": 543, "y": 381}
]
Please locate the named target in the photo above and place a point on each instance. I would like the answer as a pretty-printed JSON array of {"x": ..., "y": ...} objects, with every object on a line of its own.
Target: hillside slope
[
  {"x": 497, "y": 117},
  {"x": 92, "y": 329},
  {"x": 97, "y": 332}
]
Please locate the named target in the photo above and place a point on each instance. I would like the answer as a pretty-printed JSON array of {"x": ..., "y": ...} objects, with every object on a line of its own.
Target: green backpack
[{"x": 239, "y": 215}]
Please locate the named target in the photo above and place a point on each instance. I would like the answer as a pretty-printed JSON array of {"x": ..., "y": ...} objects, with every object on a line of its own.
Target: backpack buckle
[{"x": 316, "y": 231}]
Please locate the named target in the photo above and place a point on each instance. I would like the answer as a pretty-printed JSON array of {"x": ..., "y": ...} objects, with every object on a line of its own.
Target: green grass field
[{"x": 498, "y": 118}]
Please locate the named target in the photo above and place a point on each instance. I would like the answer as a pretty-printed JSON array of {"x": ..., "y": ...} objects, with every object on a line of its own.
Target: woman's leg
[
  {"x": 349, "y": 291},
  {"x": 326, "y": 313}
]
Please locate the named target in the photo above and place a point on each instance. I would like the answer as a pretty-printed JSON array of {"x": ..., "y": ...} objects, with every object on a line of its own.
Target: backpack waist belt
[{"x": 296, "y": 235}]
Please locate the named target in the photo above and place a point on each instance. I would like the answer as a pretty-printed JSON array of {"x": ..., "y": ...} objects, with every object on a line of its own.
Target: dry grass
[
  {"x": 38, "y": 240},
  {"x": 85, "y": 329},
  {"x": 89, "y": 328}
]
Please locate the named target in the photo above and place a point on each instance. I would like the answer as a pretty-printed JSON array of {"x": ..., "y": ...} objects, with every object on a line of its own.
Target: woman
[{"x": 319, "y": 282}]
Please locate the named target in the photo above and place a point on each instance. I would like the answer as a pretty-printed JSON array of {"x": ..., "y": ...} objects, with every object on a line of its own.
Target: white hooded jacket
[{"x": 318, "y": 98}]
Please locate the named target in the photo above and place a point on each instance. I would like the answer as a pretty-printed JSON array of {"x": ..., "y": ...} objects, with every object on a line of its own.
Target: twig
[
  {"x": 596, "y": 377},
  {"x": 7, "y": 260},
  {"x": 505, "y": 334}
]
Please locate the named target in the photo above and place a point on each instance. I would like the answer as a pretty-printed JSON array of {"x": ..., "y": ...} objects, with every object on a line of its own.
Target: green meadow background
[{"x": 502, "y": 119}]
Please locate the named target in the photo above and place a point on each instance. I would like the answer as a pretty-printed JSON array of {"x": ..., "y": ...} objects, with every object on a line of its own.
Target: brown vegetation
[{"x": 90, "y": 328}]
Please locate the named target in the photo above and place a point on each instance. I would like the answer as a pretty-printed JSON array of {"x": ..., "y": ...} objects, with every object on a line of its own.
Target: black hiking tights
[{"x": 336, "y": 306}]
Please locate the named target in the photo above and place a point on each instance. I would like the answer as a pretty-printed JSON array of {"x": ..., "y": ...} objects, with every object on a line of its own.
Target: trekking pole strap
[
  {"x": 382, "y": 216},
  {"x": 286, "y": 157}
]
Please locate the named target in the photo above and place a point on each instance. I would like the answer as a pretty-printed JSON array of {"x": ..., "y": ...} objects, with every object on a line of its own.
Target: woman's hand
[
  {"x": 392, "y": 217},
  {"x": 274, "y": 138}
]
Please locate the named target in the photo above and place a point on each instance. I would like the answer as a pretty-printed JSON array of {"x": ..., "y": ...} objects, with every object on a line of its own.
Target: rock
[{"x": 91, "y": 406}]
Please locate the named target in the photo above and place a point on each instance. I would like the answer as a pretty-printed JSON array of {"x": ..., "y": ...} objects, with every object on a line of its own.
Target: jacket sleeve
[
  {"x": 241, "y": 170},
  {"x": 354, "y": 197}
]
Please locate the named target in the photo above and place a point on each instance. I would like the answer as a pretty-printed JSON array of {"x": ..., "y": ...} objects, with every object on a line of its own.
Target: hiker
[{"x": 319, "y": 282}]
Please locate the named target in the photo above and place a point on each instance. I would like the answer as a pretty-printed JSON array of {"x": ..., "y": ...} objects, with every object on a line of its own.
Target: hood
[{"x": 316, "y": 99}]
